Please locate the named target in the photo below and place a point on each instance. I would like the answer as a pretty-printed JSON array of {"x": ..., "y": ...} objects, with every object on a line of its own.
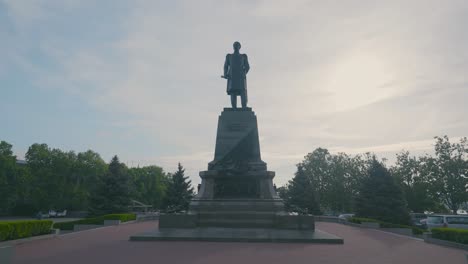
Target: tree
[
  {"x": 150, "y": 185},
  {"x": 408, "y": 172},
  {"x": 447, "y": 172},
  {"x": 179, "y": 191},
  {"x": 380, "y": 197},
  {"x": 300, "y": 194},
  {"x": 88, "y": 169},
  {"x": 51, "y": 174},
  {"x": 113, "y": 191},
  {"x": 335, "y": 177},
  {"x": 8, "y": 175}
]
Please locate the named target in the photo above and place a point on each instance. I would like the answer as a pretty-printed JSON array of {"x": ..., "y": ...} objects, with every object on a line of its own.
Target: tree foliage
[
  {"x": 179, "y": 191},
  {"x": 55, "y": 179},
  {"x": 150, "y": 185},
  {"x": 331, "y": 183},
  {"x": 334, "y": 178},
  {"x": 62, "y": 180},
  {"x": 429, "y": 183},
  {"x": 300, "y": 194},
  {"x": 447, "y": 172},
  {"x": 408, "y": 172},
  {"x": 112, "y": 194},
  {"x": 8, "y": 177},
  {"x": 380, "y": 197}
]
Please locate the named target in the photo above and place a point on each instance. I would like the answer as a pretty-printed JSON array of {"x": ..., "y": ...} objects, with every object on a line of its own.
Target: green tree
[
  {"x": 150, "y": 184},
  {"x": 336, "y": 178},
  {"x": 300, "y": 194},
  {"x": 283, "y": 192},
  {"x": 88, "y": 169},
  {"x": 416, "y": 188},
  {"x": 8, "y": 174},
  {"x": 112, "y": 194},
  {"x": 52, "y": 172},
  {"x": 179, "y": 191},
  {"x": 447, "y": 172},
  {"x": 380, "y": 197}
]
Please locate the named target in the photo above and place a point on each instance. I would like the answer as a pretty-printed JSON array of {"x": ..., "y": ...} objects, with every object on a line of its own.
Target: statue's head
[{"x": 236, "y": 46}]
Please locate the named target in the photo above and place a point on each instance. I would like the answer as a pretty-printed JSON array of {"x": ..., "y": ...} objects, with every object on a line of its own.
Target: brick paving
[{"x": 111, "y": 245}]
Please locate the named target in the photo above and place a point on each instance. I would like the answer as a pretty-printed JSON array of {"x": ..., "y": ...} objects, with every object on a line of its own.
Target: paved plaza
[{"x": 111, "y": 245}]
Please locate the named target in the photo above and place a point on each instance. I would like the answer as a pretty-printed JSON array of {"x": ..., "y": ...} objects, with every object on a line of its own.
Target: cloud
[{"x": 348, "y": 76}]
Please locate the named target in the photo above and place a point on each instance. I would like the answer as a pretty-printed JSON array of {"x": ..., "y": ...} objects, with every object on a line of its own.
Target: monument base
[
  {"x": 237, "y": 200},
  {"x": 237, "y": 219},
  {"x": 215, "y": 234}
]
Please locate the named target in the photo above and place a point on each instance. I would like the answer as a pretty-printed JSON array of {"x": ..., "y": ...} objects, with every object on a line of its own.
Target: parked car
[
  {"x": 40, "y": 215},
  {"x": 345, "y": 216},
  {"x": 452, "y": 221},
  {"x": 52, "y": 213},
  {"x": 418, "y": 219},
  {"x": 62, "y": 214}
]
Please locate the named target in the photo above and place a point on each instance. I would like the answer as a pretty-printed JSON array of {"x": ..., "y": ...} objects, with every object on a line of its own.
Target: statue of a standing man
[{"x": 236, "y": 68}]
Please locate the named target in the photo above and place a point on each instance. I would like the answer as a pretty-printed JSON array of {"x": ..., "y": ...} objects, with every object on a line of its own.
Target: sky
[{"x": 141, "y": 79}]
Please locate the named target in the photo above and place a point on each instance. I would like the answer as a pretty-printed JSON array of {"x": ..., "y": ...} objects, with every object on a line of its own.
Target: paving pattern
[{"x": 111, "y": 245}]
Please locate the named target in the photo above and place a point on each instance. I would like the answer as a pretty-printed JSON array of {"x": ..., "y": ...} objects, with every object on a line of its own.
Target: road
[{"x": 111, "y": 245}]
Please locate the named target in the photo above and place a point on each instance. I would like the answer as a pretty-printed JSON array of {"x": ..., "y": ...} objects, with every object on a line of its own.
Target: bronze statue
[{"x": 236, "y": 68}]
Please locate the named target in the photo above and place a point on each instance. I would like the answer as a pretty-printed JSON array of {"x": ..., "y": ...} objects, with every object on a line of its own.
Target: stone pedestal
[{"x": 237, "y": 200}]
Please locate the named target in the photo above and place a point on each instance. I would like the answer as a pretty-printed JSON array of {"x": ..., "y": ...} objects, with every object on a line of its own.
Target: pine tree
[
  {"x": 179, "y": 192},
  {"x": 113, "y": 190},
  {"x": 301, "y": 194},
  {"x": 380, "y": 197}
]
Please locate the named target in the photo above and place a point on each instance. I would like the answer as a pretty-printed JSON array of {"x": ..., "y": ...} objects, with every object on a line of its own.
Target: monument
[{"x": 237, "y": 200}]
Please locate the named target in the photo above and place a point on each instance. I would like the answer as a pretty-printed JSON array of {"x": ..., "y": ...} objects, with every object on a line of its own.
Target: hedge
[
  {"x": 95, "y": 221},
  {"x": 451, "y": 234},
  {"x": 359, "y": 220},
  {"x": 24, "y": 228}
]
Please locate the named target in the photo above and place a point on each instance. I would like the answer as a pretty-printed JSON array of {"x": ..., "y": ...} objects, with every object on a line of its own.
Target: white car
[
  {"x": 452, "y": 221},
  {"x": 345, "y": 216},
  {"x": 62, "y": 214},
  {"x": 52, "y": 213}
]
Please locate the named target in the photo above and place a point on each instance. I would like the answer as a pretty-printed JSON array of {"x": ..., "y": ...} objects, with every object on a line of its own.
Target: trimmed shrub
[
  {"x": 451, "y": 234},
  {"x": 359, "y": 220},
  {"x": 416, "y": 230},
  {"x": 25, "y": 228},
  {"x": 5, "y": 231},
  {"x": 95, "y": 221}
]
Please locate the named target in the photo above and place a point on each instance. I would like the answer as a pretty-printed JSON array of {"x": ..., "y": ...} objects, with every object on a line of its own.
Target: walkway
[{"x": 111, "y": 245}]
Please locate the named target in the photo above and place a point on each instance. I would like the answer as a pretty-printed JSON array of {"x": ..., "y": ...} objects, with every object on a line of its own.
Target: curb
[
  {"x": 68, "y": 232},
  {"x": 147, "y": 218},
  {"x": 6, "y": 254},
  {"x": 445, "y": 243}
]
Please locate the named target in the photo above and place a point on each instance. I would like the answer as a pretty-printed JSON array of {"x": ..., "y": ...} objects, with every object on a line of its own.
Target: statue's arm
[
  {"x": 246, "y": 64},
  {"x": 226, "y": 65}
]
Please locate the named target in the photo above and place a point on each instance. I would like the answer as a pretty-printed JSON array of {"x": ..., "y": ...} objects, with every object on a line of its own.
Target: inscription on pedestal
[
  {"x": 236, "y": 127},
  {"x": 236, "y": 187}
]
